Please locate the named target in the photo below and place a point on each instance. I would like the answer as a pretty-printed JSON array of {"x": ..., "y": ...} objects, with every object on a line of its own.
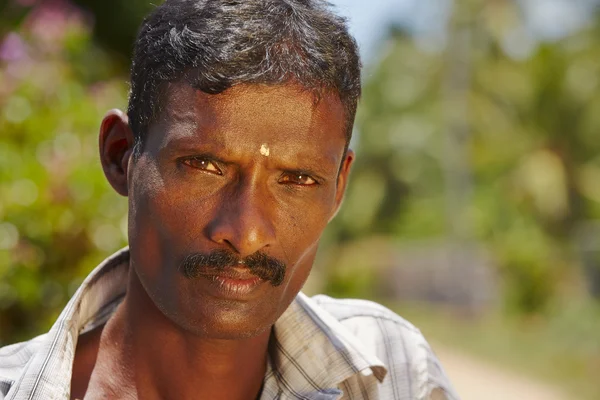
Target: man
[{"x": 234, "y": 157}]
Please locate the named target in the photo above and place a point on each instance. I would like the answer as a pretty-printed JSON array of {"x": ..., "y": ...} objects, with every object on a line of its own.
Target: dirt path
[{"x": 477, "y": 380}]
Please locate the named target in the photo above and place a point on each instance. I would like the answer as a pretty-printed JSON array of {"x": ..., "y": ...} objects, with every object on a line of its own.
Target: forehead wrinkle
[
  {"x": 268, "y": 111},
  {"x": 219, "y": 107},
  {"x": 304, "y": 157},
  {"x": 181, "y": 119}
]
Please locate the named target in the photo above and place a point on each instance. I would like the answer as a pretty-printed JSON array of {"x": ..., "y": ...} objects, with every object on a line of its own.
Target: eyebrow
[
  {"x": 322, "y": 167},
  {"x": 180, "y": 139}
]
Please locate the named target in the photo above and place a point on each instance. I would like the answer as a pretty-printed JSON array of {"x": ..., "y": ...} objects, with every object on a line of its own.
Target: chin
[
  {"x": 212, "y": 318},
  {"x": 227, "y": 322}
]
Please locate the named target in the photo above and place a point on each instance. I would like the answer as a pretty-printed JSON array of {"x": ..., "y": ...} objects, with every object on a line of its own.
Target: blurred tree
[
  {"x": 58, "y": 217},
  {"x": 114, "y": 23},
  {"x": 531, "y": 116}
]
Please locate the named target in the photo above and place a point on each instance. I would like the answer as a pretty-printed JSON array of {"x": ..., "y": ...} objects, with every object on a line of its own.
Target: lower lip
[{"x": 229, "y": 288}]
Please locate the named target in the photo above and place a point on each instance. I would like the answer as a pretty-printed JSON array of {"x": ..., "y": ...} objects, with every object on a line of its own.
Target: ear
[
  {"x": 116, "y": 147},
  {"x": 342, "y": 181}
]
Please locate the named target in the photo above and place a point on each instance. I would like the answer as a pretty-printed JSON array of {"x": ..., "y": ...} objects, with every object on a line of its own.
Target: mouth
[{"x": 234, "y": 282}]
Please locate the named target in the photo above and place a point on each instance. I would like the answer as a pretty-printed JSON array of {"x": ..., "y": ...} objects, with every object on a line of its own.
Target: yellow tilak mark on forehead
[{"x": 264, "y": 150}]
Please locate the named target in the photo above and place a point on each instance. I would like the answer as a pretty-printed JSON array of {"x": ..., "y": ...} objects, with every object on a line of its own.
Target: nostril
[{"x": 230, "y": 245}]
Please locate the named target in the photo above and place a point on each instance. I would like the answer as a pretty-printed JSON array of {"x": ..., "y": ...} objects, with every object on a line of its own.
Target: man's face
[{"x": 251, "y": 175}]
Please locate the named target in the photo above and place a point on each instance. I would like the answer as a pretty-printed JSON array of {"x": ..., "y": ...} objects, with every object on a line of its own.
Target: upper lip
[{"x": 237, "y": 272}]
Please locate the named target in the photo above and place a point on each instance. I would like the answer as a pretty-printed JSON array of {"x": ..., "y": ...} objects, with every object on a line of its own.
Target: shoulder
[
  {"x": 366, "y": 318},
  {"x": 14, "y": 359},
  {"x": 344, "y": 309},
  {"x": 411, "y": 363}
]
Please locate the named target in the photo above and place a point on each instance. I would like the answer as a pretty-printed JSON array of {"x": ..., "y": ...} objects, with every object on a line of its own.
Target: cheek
[
  {"x": 303, "y": 220},
  {"x": 297, "y": 275},
  {"x": 299, "y": 233},
  {"x": 162, "y": 206},
  {"x": 164, "y": 221},
  {"x": 146, "y": 186}
]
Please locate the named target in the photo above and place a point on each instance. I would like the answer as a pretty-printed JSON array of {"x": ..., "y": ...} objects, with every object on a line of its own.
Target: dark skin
[{"x": 255, "y": 169}]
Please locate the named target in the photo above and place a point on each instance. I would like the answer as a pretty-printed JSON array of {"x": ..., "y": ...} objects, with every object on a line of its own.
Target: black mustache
[{"x": 260, "y": 264}]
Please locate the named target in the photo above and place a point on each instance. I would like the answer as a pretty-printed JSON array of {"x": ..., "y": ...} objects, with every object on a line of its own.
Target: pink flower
[
  {"x": 12, "y": 48},
  {"x": 51, "y": 20}
]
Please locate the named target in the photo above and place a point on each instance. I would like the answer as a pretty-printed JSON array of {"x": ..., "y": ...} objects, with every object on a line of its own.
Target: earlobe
[{"x": 116, "y": 146}]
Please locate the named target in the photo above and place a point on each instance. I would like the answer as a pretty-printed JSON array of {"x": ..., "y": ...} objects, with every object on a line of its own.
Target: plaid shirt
[{"x": 324, "y": 349}]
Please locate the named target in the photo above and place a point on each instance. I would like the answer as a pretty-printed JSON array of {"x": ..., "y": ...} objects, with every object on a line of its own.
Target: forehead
[{"x": 252, "y": 113}]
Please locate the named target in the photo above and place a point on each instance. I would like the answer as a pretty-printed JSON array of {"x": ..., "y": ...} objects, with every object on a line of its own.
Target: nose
[{"x": 244, "y": 221}]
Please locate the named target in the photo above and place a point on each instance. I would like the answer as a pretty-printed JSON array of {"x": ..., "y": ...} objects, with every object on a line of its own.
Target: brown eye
[
  {"x": 297, "y": 179},
  {"x": 202, "y": 164}
]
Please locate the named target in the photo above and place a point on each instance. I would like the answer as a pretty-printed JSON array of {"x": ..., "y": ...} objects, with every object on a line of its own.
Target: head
[{"x": 233, "y": 154}]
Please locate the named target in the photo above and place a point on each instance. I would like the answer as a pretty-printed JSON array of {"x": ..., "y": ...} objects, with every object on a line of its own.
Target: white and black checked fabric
[{"x": 321, "y": 349}]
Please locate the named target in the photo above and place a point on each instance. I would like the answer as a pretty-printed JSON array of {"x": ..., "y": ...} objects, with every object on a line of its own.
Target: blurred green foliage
[
  {"x": 58, "y": 216},
  {"x": 529, "y": 139}
]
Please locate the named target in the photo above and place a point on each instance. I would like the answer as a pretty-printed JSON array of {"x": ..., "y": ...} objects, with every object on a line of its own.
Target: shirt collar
[{"x": 311, "y": 352}]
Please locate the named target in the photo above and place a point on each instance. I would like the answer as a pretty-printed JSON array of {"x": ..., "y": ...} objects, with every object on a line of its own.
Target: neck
[{"x": 159, "y": 360}]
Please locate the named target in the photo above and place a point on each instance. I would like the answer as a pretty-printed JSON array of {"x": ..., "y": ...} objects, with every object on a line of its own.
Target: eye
[
  {"x": 297, "y": 178},
  {"x": 203, "y": 164}
]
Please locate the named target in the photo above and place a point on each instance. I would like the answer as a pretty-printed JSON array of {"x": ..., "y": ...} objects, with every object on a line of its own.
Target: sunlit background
[{"x": 473, "y": 209}]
